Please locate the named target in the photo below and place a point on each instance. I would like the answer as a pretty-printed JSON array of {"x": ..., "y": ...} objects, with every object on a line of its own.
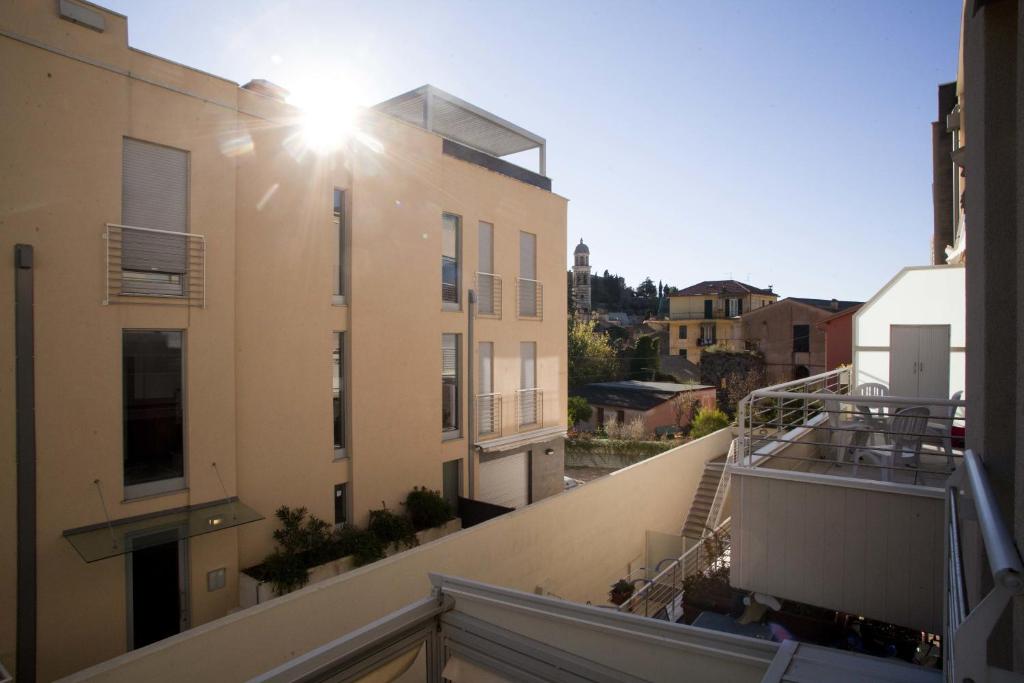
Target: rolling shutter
[
  {"x": 503, "y": 481},
  {"x": 154, "y": 196}
]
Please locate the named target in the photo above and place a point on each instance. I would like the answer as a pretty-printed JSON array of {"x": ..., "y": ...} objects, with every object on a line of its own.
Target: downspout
[
  {"x": 470, "y": 400},
  {"x": 25, "y": 444}
]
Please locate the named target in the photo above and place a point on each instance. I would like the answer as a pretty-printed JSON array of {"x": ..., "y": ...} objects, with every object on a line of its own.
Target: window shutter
[{"x": 155, "y": 196}]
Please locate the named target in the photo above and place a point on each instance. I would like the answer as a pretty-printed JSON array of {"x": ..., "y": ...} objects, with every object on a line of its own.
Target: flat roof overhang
[
  {"x": 450, "y": 117},
  {"x": 118, "y": 537}
]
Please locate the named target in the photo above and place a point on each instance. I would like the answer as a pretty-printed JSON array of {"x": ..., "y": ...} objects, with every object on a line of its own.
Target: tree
[
  {"x": 643, "y": 358},
  {"x": 579, "y": 410},
  {"x": 646, "y": 289},
  {"x": 708, "y": 421},
  {"x": 591, "y": 356}
]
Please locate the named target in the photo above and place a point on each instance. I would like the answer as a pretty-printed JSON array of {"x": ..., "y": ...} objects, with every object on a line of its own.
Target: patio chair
[
  {"x": 943, "y": 429},
  {"x": 871, "y": 389},
  {"x": 902, "y": 435}
]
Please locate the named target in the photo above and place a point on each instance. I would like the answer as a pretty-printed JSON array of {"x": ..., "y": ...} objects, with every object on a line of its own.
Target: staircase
[{"x": 697, "y": 519}]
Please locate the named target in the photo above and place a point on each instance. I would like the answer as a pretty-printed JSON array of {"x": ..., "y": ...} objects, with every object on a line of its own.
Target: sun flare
[{"x": 330, "y": 116}]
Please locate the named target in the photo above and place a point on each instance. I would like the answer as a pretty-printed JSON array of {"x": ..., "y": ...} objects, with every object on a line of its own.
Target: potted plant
[{"x": 621, "y": 591}]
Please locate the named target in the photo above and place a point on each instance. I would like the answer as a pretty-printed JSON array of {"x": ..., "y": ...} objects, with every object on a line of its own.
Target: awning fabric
[{"x": 100, "y": 541}]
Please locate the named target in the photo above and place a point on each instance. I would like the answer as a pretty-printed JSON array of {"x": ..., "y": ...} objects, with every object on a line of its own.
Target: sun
[{"x": 330, "y": 115}]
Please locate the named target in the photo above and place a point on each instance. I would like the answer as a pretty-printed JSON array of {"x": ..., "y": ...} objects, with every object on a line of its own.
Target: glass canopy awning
[{"x": 100, "y": 541}]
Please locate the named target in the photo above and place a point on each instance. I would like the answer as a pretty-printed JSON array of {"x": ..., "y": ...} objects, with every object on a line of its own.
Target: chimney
[
  {"x": 267, "y": 89},
  {"x": 835, "y": 305}
]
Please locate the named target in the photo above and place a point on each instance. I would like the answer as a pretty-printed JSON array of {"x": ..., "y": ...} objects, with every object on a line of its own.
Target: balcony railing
[
  {"x": 824, "y": 425},
  {"x": 529, "y": 408},
  {"x": 488, "y": 288},
  {"x": 160, "y": 265},
  {"x": 488, "y": 415},
  {"x": 449, "y": 280},
  {"x": 663, "y": 595},
  {"x": 971, "y": 510},
  {"x": 530, "y": 298}
]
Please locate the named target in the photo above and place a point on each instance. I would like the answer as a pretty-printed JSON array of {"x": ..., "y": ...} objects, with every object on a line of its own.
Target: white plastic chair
[
  {"x": 903, "y": 435},
  {"x": 943, "y": 429}
]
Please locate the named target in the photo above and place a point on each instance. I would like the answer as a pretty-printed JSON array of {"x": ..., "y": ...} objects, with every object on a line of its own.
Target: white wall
[{"x": 925, "y": 295}]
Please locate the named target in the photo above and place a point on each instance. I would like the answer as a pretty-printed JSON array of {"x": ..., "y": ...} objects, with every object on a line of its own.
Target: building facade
[
  {"x": 254, "y": 322},
  {"x": 708, "y": 313},
  {"x": 581, "y": 278},
  {"x": 838, "y": 329},
  {"x": 660, "y": 405},
  {"x": 788, "y": 336}
]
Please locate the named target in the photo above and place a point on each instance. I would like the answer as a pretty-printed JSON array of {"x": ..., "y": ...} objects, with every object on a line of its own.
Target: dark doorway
[
  {"x": 801, "y": 372},
  {"x": 156, "y": 592}
]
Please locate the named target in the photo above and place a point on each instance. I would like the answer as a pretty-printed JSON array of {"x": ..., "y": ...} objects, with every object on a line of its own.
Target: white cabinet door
[
  {"x": 933, "y": 361},
  {"x": 504, "y": 480},
  {"x": 903, "y": 343},
  {"x": 919, "y": 360}
]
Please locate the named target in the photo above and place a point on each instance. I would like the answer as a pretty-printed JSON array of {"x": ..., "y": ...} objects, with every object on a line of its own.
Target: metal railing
[
  {"x": 662, "y": 596},
  {"x": 909, "y": 440},
  {"x": 488, "y": 415},
  {"x": 488, "y": 295},
  {"x": 155, "y": 266},
  {"x": 721, "y": 492},
  {"x": 529, "y": 408},
  {"x": 529, "y": 298},
  {"x": 449, "y": 280},
  {"x": 969, "y": 496}
]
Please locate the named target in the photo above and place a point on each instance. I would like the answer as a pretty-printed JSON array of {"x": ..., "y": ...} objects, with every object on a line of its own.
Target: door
[
  {"x": 488, "y": 416},
  {"x": 919, "y": 360},
  {"x": 528, "y": 273},
  {"x": 505, "y": 480},
  {"x": 485, "y": 268},
  {"x": 157, "y": 589},
  {"x": 708, "y": 309}
]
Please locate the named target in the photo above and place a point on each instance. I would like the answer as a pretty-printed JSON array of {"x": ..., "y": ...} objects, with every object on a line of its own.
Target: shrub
[
  {"x": 286, "y": 571},
  {"x": 707, "y": 421},
  {"x": 364, "y": 546},
  {"x": 621, "y": 591},
  {"x": 301, "y": 535},
  {"x": 634, "y": 430},
  {"x": 579, "y": 410},
  {"x": 427, "y": 509},
  {"x": 392, "y": 529}
]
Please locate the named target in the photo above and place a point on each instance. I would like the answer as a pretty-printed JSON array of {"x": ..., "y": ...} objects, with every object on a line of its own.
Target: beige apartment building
[
  {"x": 708, "y": 314},
  {"x": 206, "y": 318}
]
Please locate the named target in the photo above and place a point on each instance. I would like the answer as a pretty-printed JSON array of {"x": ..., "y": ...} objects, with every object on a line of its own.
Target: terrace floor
[{"x": 932, "y": 471}]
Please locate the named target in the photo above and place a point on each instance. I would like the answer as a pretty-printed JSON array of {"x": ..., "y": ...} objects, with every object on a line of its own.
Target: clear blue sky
[{"x": 783, "y": 143}]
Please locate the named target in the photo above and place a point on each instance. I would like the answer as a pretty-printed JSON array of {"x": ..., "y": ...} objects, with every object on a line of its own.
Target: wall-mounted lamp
[{"x": 549, "y": 451}]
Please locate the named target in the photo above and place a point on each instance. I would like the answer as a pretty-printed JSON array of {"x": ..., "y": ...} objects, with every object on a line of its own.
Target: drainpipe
[
  {"x": 470, "y": 397},
  {"x": 25, "y": 445}
]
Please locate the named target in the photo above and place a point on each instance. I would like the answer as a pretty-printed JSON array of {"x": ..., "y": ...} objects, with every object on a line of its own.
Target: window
[
  {"x": 341, "y": 271},
  {"x": 709, "y": 308},
  {"x": 153, "y": 412},
  {"x": 733, "y": 307},
  {"x": 154, "y": 197},
  {"x": 340, "y": 503},
  {"x": 600, "y": 417},
  {"x": 450, "y": 246},
  {"x": 489, "y": 405},
  {"x": 707, "y": 334},
  {"x": 338, "y": 390},
  {"x": 620, "y": 416},
  {"x": 529, "y": 287},
  {"x": 450, "y": 385},
  {"x": 528, "y": 394},
  {"x": 451, "y": 482},
  {"x": 801, "y": 338},
  {"x": 488, "y": 284},
  {"x": 682, "y": 331}
]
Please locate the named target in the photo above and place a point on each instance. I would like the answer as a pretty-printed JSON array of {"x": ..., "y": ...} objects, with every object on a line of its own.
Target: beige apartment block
[
  {"x": 707, "y": 314},
  {"x": 224, "y": 320}
]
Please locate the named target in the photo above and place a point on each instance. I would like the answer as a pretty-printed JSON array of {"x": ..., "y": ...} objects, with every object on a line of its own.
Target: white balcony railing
[
  {"x": 825, "y": 425},
  {"x": 488, "y": 288},
  {"x": 529, "y": 298},
  {"x": 529, "y": 408},
  {"x": 971, "y": 510},
  {"x": 488, "y": 415},
  {"x": 161, "y": 266}
]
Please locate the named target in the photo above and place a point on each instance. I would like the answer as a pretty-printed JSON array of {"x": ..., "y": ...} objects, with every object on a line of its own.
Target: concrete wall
[
  {"x": 573, "y": 545},
  {"x": 926, "y": 295},
  {"x": 258, "y": 356}
]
